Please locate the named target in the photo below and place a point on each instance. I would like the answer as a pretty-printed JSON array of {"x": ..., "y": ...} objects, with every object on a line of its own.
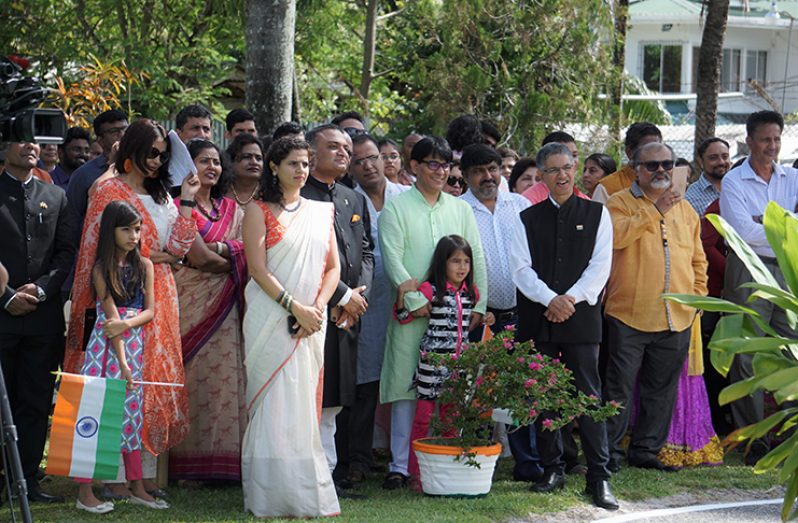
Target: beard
[{"x": 661, "y": 183}]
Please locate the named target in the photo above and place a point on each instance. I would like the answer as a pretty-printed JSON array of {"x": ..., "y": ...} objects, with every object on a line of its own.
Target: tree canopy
[{"x": 527, "y": 65}]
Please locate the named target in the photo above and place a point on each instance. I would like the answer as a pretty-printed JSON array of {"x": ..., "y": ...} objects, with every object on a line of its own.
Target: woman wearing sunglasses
[
  {"x": 167, "y": 233},
  {"x": 455, "y": 182}
]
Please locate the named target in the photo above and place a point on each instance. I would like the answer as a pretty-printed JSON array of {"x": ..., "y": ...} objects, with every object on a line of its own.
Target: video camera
[{"x": 20, "y": 121}]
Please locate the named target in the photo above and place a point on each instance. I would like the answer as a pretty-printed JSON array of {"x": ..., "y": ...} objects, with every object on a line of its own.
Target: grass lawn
[{"x": 507, "y": 499}]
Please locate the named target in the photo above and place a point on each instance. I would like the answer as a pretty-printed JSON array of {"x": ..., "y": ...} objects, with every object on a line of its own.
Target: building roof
[{"x": 689, "y": 10}]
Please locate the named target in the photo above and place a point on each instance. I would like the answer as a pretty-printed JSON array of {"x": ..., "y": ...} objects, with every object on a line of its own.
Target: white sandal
[
  {"x": 158, "y": 504},
  {"x": 103, "y": 508}
]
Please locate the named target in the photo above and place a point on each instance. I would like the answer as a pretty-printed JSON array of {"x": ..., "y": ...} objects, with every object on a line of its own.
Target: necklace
[
  {"x": 213, "y": 215},
  {"x": 251, "y": 196},
  {"x": 294, "y": 209}
]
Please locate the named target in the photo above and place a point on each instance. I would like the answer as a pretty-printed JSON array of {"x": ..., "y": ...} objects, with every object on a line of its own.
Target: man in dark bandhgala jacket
[
  {"x": 329, "y": 162},
  {"x": 36, "y": 250},
  {"x": 560, "y": 259}
]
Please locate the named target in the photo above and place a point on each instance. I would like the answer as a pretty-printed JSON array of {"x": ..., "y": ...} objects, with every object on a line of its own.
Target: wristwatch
[
  {"x": 402, "y": 314},
  {"x": 40, "y": 294}
]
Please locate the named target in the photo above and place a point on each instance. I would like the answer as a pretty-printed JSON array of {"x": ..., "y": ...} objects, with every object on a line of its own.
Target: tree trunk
[
  {"x": 270, "y": 61},
  {"x": 369, "y": 49},
  {"x": 618, "y": 62},
  {"x": 709, "y": 60}
]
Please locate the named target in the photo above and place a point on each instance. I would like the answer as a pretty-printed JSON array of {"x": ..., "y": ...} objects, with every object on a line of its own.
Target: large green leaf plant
[{"x": 742, "y": 330}]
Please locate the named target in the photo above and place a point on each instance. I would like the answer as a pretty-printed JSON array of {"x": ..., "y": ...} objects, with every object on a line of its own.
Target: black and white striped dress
[{"x": 447, "y": 333}]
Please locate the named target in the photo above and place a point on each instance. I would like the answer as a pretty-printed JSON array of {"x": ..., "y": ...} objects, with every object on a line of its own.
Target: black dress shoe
[
  {"x": 395, "y": 481},
  {"x": 654, "y": 464},
  {"x": 37, "y": 495},
  {"x": 601, "y": 495},
  {"x": 614, "y": 465},
  {"x": 550, "y": 482},
  {"x": 343, "y": 494},
  {"x": 528, "y": 474}
]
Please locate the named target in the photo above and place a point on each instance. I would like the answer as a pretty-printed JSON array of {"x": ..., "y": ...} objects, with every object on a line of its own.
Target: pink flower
[
  {"x": 509, "y": 328},
  {"x": 113, "y": 368},
  {"x": 539, "y": 356},
  {"x": 547, "y": 423},
  {"x": 128, "y": 428},
  {"x": 533, "y": 413},
  {"x": 556, "y": 360},
  {"x": 529, "y": 383},
  {"x": 453, "y": 357},
  {"x": 480, "y": 380},
  {"x": 534, "y": 366},
  {"x": 521, "y": 360},
  {"x": 615, "y": 404},
  {"x": 93, "y": 372},
  {"x": 423, "y": 354},
  {"x": 593, "y": 397},
  {"x": 507, "y": 344}
]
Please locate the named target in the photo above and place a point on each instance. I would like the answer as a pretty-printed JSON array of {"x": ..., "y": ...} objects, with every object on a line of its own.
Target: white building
[{"x": 663, "y": 38}]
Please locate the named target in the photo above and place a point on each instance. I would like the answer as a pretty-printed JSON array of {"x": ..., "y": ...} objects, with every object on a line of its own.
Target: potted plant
[
  {"x": 460, "y": 457},
  {"x": 775, "y": 358}
]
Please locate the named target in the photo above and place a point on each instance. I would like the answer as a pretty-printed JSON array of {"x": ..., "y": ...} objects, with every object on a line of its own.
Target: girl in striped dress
[
  {"x": 452, "y": 296},
  {"x": 123, "y": 284}
]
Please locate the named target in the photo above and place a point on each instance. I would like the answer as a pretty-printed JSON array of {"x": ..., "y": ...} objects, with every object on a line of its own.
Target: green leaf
[
  {"x": 708, "y": 303},
  {"x": 752, "y": 261},
  {"x": 779, "y": 379},
  {"x": 772, "y": 459},
  {"x": 727, "y": 327},
  {"x": 789, "y": 497},
  {"x": 768, "y": 291},
  {"x": 765, "y": 363},
  {"x": 780, "y": 227},
  {"x": 749, "y": 345},
  {"x": 757, "y": 430},
  {"x": 738, "y": 390},
  {"x": 788, "y": 393}
]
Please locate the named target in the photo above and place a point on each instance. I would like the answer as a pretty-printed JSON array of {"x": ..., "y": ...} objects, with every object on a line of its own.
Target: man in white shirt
[
  {"x": 747, "y": 190},
  {"x": 560, "y": 258}
]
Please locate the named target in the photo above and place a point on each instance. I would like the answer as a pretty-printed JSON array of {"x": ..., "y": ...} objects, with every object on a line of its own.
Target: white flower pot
[{"x": 443, "y": 475}]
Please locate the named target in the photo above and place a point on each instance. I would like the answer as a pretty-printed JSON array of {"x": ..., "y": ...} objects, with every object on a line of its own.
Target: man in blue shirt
[
  {"x": 72, "y": 154},
  {"x": 713, "y": 156},
  {"x": 109, "y": 126}
]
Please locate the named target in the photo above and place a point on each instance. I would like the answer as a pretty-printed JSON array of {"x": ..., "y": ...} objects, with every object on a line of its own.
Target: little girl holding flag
[{"x": 123, "y": 283}]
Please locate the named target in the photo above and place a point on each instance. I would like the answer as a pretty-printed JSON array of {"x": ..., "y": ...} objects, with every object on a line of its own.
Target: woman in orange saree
[
  {"x": 210, "y": 289},
  {"x": 166, "y": 237}
]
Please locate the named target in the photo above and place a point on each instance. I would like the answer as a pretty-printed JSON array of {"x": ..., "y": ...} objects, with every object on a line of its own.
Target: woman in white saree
[{"x": 291, "y": 253}]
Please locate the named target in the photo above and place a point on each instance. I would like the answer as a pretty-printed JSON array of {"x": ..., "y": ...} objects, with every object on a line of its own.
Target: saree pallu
[
  {"x": 213, "y": 357},
  {"x": 165, "y": 409},
  {"x": 284, "y": 470}
]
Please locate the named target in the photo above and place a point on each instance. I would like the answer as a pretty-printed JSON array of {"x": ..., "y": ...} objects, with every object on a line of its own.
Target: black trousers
[
  {"x": 713, "y": 379},
  {"x": 355, "y": 435},
  {"x": 27, "y": 365},
  {"x": 655, "y": 361},
  {"x": 582, "y": 360}
]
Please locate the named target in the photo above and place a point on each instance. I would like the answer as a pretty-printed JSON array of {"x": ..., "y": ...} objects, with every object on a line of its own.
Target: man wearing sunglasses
[
  {"x": 351, "y": 122},
  {"x": 657, "y": 249}
]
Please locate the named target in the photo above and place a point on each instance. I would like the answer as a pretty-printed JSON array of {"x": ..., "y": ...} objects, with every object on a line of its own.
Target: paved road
[{"x": 763, "y": 511}]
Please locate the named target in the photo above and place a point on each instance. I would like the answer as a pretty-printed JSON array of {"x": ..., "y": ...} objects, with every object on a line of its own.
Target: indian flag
[{"x": 86, "y": 436}]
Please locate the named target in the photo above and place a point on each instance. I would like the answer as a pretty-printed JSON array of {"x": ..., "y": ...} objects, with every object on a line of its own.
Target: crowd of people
[{"x": 295, "y": 284}]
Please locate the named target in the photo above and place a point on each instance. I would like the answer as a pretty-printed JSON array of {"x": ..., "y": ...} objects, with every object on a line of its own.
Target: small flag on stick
[{"x": 86, "y": 436}]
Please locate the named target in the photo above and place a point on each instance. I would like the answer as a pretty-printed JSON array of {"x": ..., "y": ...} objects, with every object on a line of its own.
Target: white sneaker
[
  {"x": 102, "y": 508},
  {"x": 158, "y": 504}
]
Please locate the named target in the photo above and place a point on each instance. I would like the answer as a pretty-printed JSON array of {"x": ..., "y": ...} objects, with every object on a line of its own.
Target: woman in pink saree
[
  {"x": 293, "y": 260},
  {"x": 210, "y": 289}
]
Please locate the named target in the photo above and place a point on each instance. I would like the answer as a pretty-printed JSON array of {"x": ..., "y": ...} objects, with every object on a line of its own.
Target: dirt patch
[{"x": 590, "y": 513}]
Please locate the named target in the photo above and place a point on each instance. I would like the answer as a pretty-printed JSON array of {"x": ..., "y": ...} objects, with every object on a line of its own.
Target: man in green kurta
[{"x": 410, "y": 226}]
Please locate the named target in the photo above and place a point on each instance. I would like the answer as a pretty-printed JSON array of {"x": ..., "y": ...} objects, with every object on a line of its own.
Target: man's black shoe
[
  {"x": 614, "y": 465},
  {"x": 654, "y": 464},
  {"x": 343, "y": 494},
  {"x": 395, "y": 481},
  {"x": 756, "y": 453},
  {"x": 529, "y": 474},
  {"x": 37, "y": 495},
  {"x": 550, "y": 482},
  {"x": 576, "y": 469},
  {"x": 600, "y": 493}
]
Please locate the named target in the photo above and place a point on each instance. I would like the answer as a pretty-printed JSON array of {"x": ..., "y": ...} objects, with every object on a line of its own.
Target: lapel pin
[
  {"x": 43, "y": 205},
  {"x": 580, "y": 227}
]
